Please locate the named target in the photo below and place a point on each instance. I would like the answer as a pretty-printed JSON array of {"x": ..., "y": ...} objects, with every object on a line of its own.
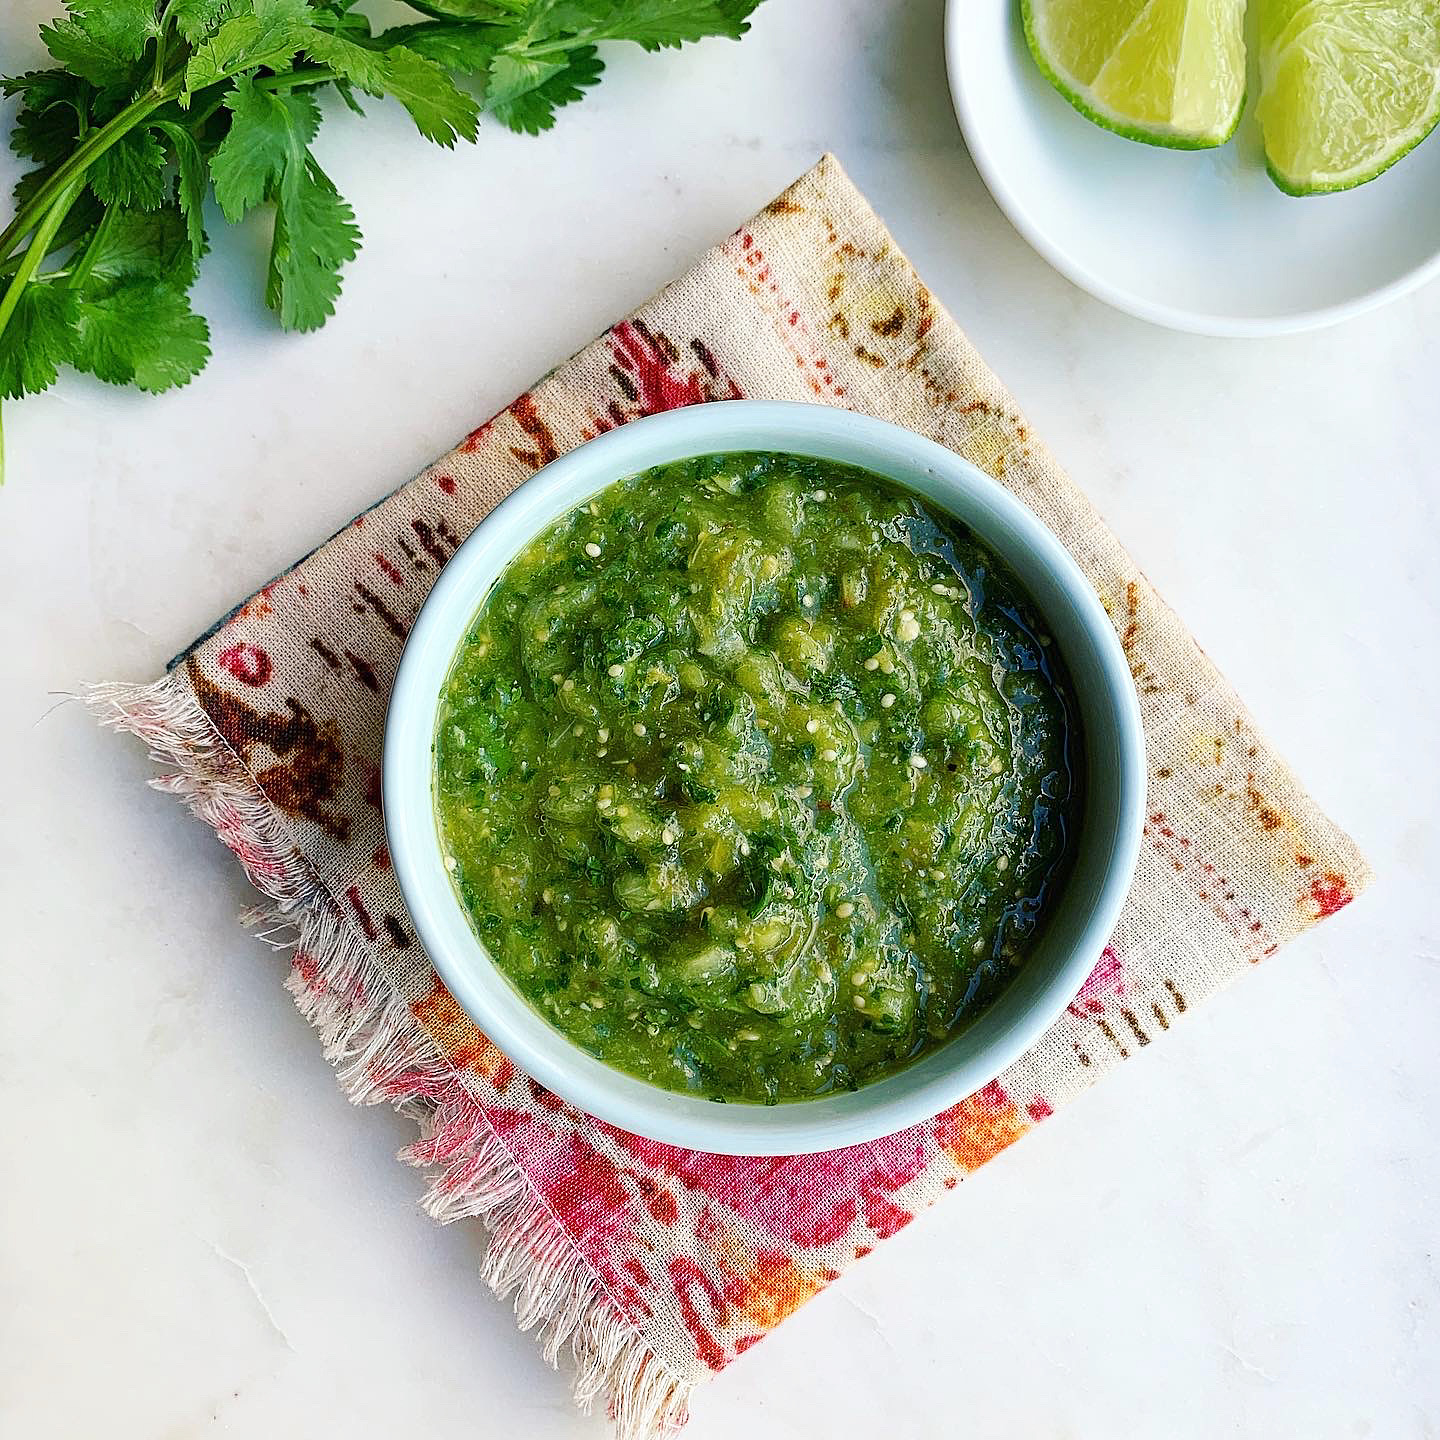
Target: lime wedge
[
  {"x": 1346, "y": 88},
  {"x": 1168, "y": 72}
]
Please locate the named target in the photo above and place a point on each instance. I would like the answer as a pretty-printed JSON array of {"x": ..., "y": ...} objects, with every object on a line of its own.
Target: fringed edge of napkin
[{"x": 382, "y": 1055}]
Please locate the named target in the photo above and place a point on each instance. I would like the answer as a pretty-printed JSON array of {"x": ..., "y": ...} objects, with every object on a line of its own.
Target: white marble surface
[{"x": 1232, "y": 1236}]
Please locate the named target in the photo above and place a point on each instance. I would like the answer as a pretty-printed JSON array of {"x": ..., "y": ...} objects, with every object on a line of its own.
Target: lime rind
[
  {"x": 1335, "y": 187},
  {"x": 1097, "y": 114},
  {"x": 1349, "y": 180},
  {"x": 1381, "y": 60}
]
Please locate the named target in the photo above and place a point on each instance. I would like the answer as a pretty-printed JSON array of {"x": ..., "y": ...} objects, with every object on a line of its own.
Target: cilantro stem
[
  {"x": 293, "y": 79},
  {"x": 539, "y": 50},
  {"x": 79, "y": 273},
  {"x": 52, "y": 220},
  {"x": 157, "y": 76},
  {"x": 85, "y": 154}
]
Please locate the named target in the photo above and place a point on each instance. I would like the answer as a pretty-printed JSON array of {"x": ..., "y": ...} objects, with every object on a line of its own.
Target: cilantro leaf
[
  {"x": 524, "y": 93},
  {"x": 140, "y": 245},
  {"x": 46, "y": 136},
  {"x": 658, "y": 24},
  {"x": 268, "y": 133},
  {"x": 315, "y": 233},
  {"x": 195, "y": 19},
  {"x": 266, "y": 155},
  {"x": 68, "y": 43},
  {"x": 38, "y": 340},
  {"x": 101, "y": 40},
  {"x": 30, "y": 182},
  {"x": 485, "y": 10},
  {"x": 48, "y": 125},
  {"x": 514, "y": 74},
  {"x": 271, "y": 36},
  {"x": 42, "y": 87},
  {"x": 346, "y": 91},
  {"x": 456, "y": 45},
  {"x": 141, "y": 332},
  {"x": 189, "y": 184},
  {"x": 652, "y": 24},
  {"x": 358, "y": 64},
  {"x": 339, "y": 15},
  {"x": 441, "y": 111},
  {"x": 131, "y": 172}
]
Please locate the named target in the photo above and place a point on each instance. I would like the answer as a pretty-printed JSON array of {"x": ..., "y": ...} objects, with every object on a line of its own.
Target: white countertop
[{"x": 1232, "y": 1236}]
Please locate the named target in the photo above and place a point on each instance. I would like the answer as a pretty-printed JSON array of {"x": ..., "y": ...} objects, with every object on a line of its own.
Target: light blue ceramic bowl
[{"x": 1106, "y": 840}]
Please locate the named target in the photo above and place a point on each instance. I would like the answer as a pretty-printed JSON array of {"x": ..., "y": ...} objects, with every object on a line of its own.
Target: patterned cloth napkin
[{"x": 659, "y": 1266}]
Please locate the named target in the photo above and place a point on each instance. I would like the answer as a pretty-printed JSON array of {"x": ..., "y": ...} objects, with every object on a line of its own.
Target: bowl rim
[
  {"x": 441, "y": 924},
  {"x": 1173, "y": 317}
]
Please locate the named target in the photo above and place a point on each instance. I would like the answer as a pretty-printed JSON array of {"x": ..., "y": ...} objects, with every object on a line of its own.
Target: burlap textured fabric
[{"x": 657, "y": 1266}]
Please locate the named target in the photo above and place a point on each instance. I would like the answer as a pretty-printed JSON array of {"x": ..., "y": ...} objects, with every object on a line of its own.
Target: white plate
[{"x": 1197, "y": 240}]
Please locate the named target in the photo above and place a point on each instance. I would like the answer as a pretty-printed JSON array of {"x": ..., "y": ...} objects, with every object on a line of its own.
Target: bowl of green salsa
[{"x": 763, "y": 777}]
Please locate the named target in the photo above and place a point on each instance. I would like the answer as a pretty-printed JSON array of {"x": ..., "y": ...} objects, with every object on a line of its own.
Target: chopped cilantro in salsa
[{"x": 753, "y": 775}]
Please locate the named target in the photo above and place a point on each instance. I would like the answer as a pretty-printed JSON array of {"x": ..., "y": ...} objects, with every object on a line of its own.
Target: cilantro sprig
[{"x": 152, "y": 104}]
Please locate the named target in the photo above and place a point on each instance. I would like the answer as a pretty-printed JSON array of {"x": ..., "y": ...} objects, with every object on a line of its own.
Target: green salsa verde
[{"x": 753, "y": 775}]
